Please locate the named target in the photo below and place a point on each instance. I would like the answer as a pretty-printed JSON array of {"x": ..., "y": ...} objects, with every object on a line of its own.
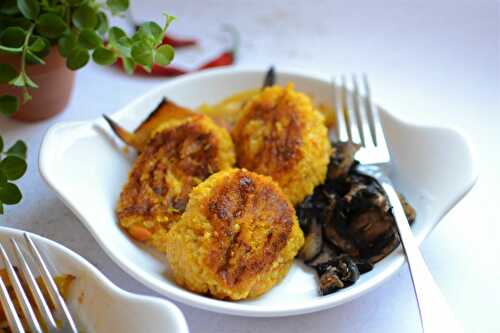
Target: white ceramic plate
[
  {"x": 433, "y": 167},
  {"x": 99, "y": 305}
]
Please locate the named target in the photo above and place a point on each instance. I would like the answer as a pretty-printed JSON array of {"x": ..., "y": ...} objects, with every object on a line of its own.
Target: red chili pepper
[
  {"x": 177, "y": 42},
  {"x": 225, "y": 59}
]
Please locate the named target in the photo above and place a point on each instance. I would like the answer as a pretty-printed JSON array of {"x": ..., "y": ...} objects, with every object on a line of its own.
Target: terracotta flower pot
[{"x": 55, "y": 83}]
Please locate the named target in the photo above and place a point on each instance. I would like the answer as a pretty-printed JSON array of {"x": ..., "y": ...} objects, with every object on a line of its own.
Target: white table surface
[{"x": 431, "y": 62}]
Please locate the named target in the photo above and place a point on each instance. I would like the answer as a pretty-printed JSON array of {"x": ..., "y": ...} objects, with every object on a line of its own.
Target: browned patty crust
[
  {"x": 174, "y": 161},
  {"x": 237, "y": 238},
  {"x": 242, "y": 200},
  {"x": 282, "y": 128},
  {"x": 282, "y": 135}
]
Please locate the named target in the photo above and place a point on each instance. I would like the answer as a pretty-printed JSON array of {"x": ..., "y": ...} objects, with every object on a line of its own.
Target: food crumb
[{"x": 81, "y": 297}]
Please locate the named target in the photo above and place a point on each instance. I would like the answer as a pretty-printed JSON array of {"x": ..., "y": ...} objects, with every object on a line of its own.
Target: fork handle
[{"x": 435, "y": 313}]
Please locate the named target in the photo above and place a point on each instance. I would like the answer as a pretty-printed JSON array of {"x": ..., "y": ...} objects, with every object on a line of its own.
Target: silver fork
[
  {"x": 67, "y": 324},
  {"x": 359, "y": 122}
]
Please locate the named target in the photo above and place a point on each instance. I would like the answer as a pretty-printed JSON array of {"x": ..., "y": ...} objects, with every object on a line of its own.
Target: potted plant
[
  {"x": 43, "y": 41},
  {"x": 12, "y": 167}
]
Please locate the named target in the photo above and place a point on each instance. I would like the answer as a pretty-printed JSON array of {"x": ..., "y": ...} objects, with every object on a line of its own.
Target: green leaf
[
  {"x": 38, "y": 44},
  {"x": 13, "y": 167},
  {"x": 117, "y": 6},
  {"x": 8, "y": 104},
  {"x": 38, "y": 49},
  {"x": 164, "y": 55},
  {"x": 18, "y": 149},
  {"x": 168, "y": 21},
  {"x": 129, "y": 65},
  {"x": 59, "y": 8},
  {"x": 1, "y": 207},
  {"x": 23, "y": 80},
  {"x": 150, "y": 32},
  {"x": 85, "y": 18},
  {"x": 119, "y": 40},
  {"x": 7, "y": 73},
  {"x": 13, "y": 37},
  {"x": 124, "y": 46},
  {"x": 74, "y": 2},
  {"x": 77, "y": 58},
  {"x": 9, "y": 7},
  {"x": 10, "y": 194},
  {"x": 103, "y": 56},
  {"x": 66, "y": 44},
  {"x": 115, "y": 34},
  {"x": 46, "y": 50},
  {"x": 1, "y": 144},
  {"x": 29, "y": 8},
  {"x": 89, "y": 39},
  {"x": 3, "y": 179},
  {"x": 142, "y": 54},
  {"x": 51, "y": 25},
  {"x": 30, "y": 82},
  {"x": 14, "y": 21},
  {"x": 18, "y": 81},
  {"x": 102, "y": 23},
  {"x": 26, "y": 96}
]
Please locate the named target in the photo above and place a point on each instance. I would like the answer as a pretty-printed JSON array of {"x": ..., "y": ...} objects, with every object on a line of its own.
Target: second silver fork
[
  {"x": 359, "y": 122},
  {"x": 67, "y": 324}
]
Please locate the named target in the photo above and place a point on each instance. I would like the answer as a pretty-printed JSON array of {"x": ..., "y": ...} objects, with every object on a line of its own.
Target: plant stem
[
  {"x": 25, "y": 47},
  {"x": 23, "y": 59}
]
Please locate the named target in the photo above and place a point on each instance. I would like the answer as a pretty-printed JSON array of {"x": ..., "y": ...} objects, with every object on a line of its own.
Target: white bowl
[
  {"x": 99, "y": 305},
  {"x": 433, "y": 167}
]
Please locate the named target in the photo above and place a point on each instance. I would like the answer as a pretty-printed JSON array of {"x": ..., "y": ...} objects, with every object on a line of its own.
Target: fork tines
[
  {"x": 28, "y": 275},
  {"x": 354, "y": 111},
  {"x": 358, "y": 119}
]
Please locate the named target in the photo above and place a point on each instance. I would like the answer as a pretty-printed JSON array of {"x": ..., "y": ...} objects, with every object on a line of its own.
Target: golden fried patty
[
  {"x": 281, "y": 135},
  {"x": 237, "y": 237},
  {"x": 177, "y": 158}
]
